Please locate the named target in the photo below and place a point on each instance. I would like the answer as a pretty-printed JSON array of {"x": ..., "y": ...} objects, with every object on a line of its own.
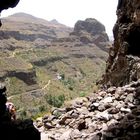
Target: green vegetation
[
  {"x": 55, "y": 101},
  {"x": 41, "y": 74},
  {"x": 40, "y": 89}
]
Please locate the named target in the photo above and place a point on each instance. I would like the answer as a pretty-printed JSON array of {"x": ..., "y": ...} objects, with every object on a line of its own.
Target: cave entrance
[{"x": 134, "y": 42}]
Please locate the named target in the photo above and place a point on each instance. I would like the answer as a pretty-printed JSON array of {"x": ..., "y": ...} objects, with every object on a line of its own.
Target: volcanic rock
[{"x": 124, "y": 63}]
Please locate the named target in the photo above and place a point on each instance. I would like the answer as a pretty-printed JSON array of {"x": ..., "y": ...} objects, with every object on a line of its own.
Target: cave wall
[
  {"x": 13, "y": 129},
  {"x": 5, "y": 4},
  {"x": 123, "y": 64}
]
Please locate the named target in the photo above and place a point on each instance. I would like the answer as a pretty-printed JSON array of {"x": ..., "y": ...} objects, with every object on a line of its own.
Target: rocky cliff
[
  {"x": 123, "y": 63},
  {"x": 91, "y": 31}
]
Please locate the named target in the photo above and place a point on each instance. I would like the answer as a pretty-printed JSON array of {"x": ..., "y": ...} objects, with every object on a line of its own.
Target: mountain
[
  {"x": 33, "y": 28},
  {"x": 45, "y": 63}
]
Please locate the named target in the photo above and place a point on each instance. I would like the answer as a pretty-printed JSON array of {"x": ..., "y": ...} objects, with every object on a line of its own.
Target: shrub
[
  {"x": 82, "y": 94},
  {"x": 56, "y": 101}
]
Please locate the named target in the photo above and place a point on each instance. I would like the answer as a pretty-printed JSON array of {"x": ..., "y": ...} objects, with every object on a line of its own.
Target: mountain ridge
[{"x": 25, "y": 17}]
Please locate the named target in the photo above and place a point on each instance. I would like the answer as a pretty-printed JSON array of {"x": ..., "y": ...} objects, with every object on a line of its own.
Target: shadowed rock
[
  {"x": 14, "y": 129},
  {"x": 5, "y": 4},
  {"x": 123, "y": 62}
]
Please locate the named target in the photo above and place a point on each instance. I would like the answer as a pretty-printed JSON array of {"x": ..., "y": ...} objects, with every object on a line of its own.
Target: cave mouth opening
[{"x": 134, "y": 42}]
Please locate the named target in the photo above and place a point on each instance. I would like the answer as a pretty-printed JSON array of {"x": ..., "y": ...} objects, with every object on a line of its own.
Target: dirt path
[{"x": 33, "y": 91}]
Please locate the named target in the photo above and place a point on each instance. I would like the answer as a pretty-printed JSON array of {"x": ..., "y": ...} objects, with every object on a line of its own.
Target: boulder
[{"x": 91, "y": 31}]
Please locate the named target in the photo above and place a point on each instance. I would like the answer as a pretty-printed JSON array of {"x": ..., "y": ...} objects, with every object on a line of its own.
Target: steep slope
[{"x": 123, "y": 62}]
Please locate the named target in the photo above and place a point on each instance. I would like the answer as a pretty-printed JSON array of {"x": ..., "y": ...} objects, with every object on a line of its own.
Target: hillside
[{"x": 46, "y": 63}]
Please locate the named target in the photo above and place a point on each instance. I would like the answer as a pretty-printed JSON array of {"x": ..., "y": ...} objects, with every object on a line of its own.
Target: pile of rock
[{"x": 109, "y": 114}]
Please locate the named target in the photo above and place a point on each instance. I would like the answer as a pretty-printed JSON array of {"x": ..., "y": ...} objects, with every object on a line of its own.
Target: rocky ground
[{"x": 110, "y": 114}]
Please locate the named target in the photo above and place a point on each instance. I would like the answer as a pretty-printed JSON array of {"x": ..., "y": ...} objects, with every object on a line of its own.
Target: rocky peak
[
  {"x": 90, "y": 25},
  {"x": 91, "y": 31},
  {"x": 54, "y": 21}
]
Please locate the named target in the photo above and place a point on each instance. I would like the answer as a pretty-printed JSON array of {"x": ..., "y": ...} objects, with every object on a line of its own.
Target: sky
[{"x": 68, "y": 12}]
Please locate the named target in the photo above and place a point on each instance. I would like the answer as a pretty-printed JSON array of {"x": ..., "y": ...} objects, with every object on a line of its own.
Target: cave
[{"x": 134, "y": 42}]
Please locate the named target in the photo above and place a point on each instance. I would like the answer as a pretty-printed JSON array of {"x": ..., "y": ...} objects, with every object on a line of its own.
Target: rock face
[
  {"x": 14, "y": 129},
  {"x": 123, "y": 63},
  {"x": 91, "y": 31},
  {"x": 89, "y": 25}
]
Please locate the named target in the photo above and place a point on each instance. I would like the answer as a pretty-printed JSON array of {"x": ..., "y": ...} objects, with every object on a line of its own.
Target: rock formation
[
  {"x": 123, "y": 63},
  {"x": 91, "y": 31}
]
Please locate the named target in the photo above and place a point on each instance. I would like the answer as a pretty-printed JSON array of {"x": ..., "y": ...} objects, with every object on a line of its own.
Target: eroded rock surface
[
  {"x": 123, "y": 62},
  {"x": 91, "y": 31}
]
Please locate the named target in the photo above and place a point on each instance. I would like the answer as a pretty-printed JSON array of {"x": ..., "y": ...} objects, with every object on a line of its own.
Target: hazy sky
[{"x": 69, "y": 11}]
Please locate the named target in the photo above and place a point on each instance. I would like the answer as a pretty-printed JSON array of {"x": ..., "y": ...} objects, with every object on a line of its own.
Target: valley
[{"x": 45, "y": 64}]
